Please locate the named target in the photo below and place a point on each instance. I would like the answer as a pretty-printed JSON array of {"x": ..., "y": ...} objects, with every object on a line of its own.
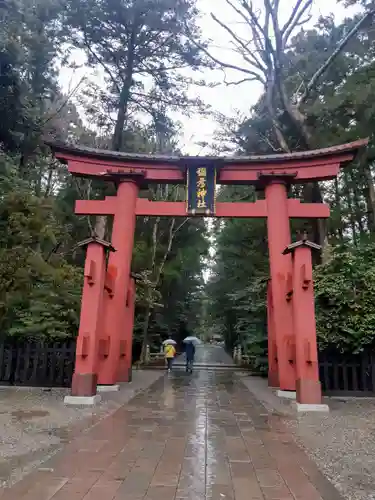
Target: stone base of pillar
[
  {"x": 82, "y": 400},
  {"x": 286, "y": 394},
  {"x": 273, "y": 379},
  {"x": 84, "y": 384},
  {"x": 308, "y": 392},
  {"x": 108, "y": 388},
  {"x": 306, "y": 408}
]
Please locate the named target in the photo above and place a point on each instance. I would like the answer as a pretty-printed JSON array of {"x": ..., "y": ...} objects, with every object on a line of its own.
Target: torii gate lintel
[{"x": 257, "y": 209}]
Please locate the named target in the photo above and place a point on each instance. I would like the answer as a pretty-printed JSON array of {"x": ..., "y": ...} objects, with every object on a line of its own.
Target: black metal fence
[{"x": 37, "y": 364}]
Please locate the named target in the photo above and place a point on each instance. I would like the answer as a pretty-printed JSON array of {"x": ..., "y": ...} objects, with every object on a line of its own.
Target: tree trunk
[
  {"x": 338, "y": 209},
  {"x": 350, "y": 207},
  {"x": 100, "y": 226},
  {"x": 146, "y": 325},
  {"x": 157, "y": 272},
  {"x": 370, "y": 196},
  {"x": 358, "y": 210},
  {"x": 312, "y": 191},
  {"x": 48, "y": 189},
  {"x": 148, "y": 294},
  {"x": 121, "y": 116},
  {"x": 124, "y": 97}
]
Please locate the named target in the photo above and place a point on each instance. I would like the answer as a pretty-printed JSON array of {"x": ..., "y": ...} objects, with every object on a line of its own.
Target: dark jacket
[{"x": 190, "y": 351}]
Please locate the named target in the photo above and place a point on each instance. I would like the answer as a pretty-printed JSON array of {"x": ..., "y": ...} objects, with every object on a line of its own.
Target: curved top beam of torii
[{"x": 299, "y": 167}]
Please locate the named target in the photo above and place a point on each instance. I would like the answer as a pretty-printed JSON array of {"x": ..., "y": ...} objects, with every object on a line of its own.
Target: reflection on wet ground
[{"x": 199, "y": 436}]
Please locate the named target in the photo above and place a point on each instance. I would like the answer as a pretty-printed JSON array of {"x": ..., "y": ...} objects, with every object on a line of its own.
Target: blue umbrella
[{"x": 192, "y": 340}]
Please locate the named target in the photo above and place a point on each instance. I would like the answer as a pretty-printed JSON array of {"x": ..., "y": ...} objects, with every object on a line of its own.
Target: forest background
[{"x": 315, "y": 78}]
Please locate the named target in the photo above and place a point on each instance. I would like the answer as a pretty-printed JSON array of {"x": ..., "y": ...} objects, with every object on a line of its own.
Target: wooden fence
[
  {"x": 339, "y": 374},
  {"x": 35, "y": 364},
  {"x": 354, "y": 374},
  {"x": 52, "y": 365},
  {"x": 45, "y": 365}
]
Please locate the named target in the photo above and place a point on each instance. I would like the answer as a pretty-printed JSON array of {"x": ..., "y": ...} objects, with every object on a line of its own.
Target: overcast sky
[{"x": 229, "y": 100}]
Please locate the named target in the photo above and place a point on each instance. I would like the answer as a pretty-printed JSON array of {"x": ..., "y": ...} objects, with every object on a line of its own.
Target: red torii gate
[{"x": 105, "y": 334}]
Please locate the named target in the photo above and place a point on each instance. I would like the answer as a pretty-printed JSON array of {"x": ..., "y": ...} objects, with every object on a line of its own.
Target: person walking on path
[
  {"x": 169, "y": 353},
  {"x": 189, "y": 354}
]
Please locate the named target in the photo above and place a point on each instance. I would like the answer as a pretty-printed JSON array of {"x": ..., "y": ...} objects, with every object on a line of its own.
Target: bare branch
[
  {"x": 267, "y": 18},
  {"x": 260, "y": 33},
  {"x": 272, "y": 12},
  {"x": 265, "y": 139},
  {"x": 225, "y": 64},
  {"x": 166, "y": 253},
  {"x": 87, "y": 197},
  {"x": 314, "y": 80},
  {"x": 251, "y": 56},
  {"x": 238, "y": 82},
  {"x": 294, "y": 20},
  {"x": 240, "y": 13},
  {"x": 64, "y": 103},
  {"x": 247, "y": 54},
  {"x": 99, "y": 60},
  {"x": 257, "y": 38},
  {"x": 181, "y": 225}
]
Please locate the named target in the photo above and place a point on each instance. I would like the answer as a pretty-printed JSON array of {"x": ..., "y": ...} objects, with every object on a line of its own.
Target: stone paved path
[
  {"x": 191, "y": 437},
  {"x": 208, "y": 356}
]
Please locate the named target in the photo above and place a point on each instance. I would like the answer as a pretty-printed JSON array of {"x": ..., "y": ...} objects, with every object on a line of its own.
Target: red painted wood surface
[
  {"x": 258, "y": 209},
  {"x": 122, "y": 241},
  {"x": 278, "y": 229},
  {"x": 307, "y": 370},
  {"x": 87, "y": 353}
]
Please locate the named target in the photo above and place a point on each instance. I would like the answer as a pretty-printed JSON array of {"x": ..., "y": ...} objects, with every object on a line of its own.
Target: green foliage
[
  {"x": 142, "y": 46},
  {"x": 39, "y": 292},
  {"x": 51, "y": 308},
  {"x": 251, "y": 326},
  {"x": 345, "y": 295},
  {"x": 236, "y": 288},
  {"x": 339, "y": 109},
  {"x": 173, "y": 292}
]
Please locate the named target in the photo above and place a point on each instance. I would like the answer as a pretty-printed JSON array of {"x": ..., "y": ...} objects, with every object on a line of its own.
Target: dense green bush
[{"x": 345, "y": 298}]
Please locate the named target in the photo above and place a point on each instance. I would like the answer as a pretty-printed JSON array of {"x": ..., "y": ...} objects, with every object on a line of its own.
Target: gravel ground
[
  {"x": 342, "y": 442},
  {"x": 35, "y": 423}
]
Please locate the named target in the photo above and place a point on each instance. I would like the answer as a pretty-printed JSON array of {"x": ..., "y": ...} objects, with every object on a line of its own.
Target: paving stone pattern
[
  {"x": 341, "y": 442},
  {"x": 188, "y": 437},
  {"x": 35, "y": 423}
]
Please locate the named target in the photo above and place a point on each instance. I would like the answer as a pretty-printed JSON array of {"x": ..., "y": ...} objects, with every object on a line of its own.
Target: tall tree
[
  {"x": 142, "y": 48},
  {"x": 339, "y": 109},
  {"x": 263, "y": 49}
]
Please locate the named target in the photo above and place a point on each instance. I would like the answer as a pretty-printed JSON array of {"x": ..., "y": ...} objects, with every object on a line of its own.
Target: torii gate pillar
[
  {"x": 281, "y": 337},
  {"x": 301, "y": 293},
  {"x": 126, "y": 342},
  {"x": 85, "y": 378},
  {"x": 115, "y": 315}
]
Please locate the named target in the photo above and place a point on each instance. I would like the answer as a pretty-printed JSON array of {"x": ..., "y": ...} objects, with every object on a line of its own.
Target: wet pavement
[
  {"x": 35, "y": 423},
  {"x": 188, "y": 437},
  {"x": 208, "y": 357}
]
